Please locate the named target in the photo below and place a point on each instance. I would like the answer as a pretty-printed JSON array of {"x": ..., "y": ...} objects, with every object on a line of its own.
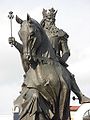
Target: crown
[{"x": 51, "y": 13}]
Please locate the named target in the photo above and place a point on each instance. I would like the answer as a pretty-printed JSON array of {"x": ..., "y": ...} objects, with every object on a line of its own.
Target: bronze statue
[
  {"x": 59, "y": 39},
  {"x": 46, "y": 89},
  {"x": 45, "y": 93}
]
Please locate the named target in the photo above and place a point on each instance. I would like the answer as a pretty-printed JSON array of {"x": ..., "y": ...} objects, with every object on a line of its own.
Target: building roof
[{"x": 74, "y": 108}]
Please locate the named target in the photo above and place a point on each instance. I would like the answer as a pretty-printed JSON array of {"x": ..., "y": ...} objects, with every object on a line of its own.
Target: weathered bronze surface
[
  {"x": 59, "y": 40},
  {"x": 45, "y": 93}
]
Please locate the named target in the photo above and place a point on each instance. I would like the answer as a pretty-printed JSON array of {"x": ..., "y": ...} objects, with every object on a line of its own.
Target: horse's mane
[
  {"x": 45, "y": 43},
  {"x": 40, "y": 28}
]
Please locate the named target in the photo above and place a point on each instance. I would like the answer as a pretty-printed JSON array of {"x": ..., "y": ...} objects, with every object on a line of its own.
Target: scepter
[{"x": 11, "y": 16}]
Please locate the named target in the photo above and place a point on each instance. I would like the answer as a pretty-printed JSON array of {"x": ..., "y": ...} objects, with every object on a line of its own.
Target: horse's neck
[{"x": 46, "y": 50}]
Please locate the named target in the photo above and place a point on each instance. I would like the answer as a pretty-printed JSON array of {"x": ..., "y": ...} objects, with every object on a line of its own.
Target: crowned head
[{"x": 49, "y": 14}]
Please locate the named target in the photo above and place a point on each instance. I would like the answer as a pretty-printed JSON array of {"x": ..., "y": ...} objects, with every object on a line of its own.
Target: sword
[{"x": 11, "y": 16}]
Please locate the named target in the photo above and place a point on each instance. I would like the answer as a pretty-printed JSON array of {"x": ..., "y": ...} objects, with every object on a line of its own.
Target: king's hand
[{"x": 11, "y": 41}]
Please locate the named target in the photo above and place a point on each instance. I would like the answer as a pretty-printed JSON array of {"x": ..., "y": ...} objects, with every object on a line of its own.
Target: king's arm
[
  {"x": 64, "y": 45},
  {"x": 17, "y": 45}
]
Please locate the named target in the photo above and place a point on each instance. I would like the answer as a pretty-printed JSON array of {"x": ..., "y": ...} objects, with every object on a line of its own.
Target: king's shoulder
[{"x": 62, "y": 33}]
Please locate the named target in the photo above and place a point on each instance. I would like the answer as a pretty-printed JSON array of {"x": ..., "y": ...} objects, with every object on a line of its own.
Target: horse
[{"x": 46, "y": 89}]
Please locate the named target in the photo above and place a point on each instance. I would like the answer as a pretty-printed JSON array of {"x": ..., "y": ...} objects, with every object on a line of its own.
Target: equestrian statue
[{"x": 45, "y": 93}]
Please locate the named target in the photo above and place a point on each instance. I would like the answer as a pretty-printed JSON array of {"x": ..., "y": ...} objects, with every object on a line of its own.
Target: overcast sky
[{"x": 73, "y": 17}]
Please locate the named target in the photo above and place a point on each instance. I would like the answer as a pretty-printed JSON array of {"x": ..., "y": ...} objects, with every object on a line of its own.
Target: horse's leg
[
  {"x": 63, "y": 98},
  {"x": 66, "y": 115}
]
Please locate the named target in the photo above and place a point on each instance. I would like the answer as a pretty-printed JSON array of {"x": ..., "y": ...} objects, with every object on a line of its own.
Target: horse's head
[{"x": 29, "y": 33}]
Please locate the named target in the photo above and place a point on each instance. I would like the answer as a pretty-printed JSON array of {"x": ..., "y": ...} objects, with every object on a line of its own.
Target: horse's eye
[{"x": 31, "y": 36}]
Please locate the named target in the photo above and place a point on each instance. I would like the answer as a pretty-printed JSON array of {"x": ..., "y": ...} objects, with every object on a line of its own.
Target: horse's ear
[
  {"x": 29, "y": 18},
  {"x": 18, "y": 20}
]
